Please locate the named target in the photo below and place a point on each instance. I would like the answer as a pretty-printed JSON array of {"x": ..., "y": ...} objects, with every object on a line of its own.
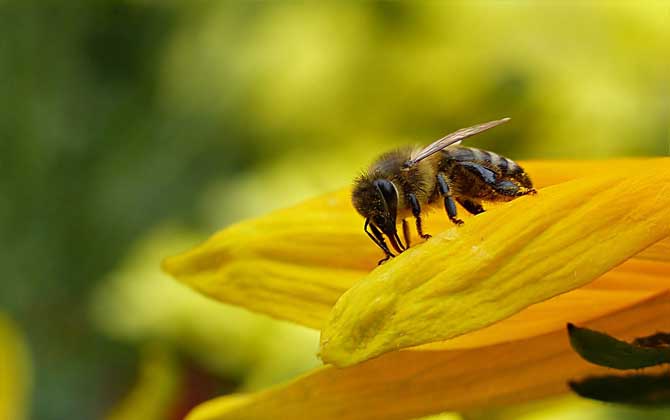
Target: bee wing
[{"x": 452, "y": 138}]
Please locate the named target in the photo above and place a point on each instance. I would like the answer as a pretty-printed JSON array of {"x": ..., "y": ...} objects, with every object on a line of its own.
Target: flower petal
[
  {"x": 212, "y": 409},
  {"x": 156, "y": 389},
  {"x": 295, "y": 263},
  {"x": 660, "y": 251},
  {"x": 291, "y": 264},
  {"x": 625, "y": 285},
  {"x": 422, "y": 382},
  {"x": 14, "y": 372},
  {"x": 500, "y": 262}
]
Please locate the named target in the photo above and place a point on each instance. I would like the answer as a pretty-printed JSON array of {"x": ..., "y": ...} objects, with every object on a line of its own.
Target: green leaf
[
  {"x": 603, "y": 350},
  {"x": 658, "y": 340},
  {"x": 632, "y": 389}
]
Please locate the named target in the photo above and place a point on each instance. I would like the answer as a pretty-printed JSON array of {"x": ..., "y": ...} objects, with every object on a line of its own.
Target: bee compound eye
[
  {"x": 386, "y": 187},
  {"x": 387, "y": 190},
  {"x": 389, "y": 195}
]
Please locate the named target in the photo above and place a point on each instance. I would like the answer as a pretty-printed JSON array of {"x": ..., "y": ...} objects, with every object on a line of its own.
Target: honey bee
[{"x": 403, "y": 182}]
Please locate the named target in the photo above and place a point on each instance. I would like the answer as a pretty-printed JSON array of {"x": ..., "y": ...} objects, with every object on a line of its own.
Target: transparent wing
[{"x": 452, "y": 138}]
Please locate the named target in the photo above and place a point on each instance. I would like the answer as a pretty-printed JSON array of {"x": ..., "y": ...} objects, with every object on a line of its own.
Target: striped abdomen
[
  {"x": 504, "y": 167},
  {"x": 489, "y": 159}
]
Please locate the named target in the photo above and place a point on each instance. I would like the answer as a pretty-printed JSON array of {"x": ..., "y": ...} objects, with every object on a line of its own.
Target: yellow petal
[
  {"x": 500, "y": 262},
  {"x": 14, "y": 373},
  {"x": 155, "y": 391},
  {"x": 212, "y": 409},
  {"x": 551, "y": 172},
  {"x": 660, "y": 251},
  {"x": 295, "y": 263},
  {"x": 291, "y": 264},
  {"x": 628, "y": 284},
  {"x": 412, "y": 383}
]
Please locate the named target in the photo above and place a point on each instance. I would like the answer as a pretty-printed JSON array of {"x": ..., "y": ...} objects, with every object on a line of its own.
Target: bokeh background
[{"x": 131, "y": 130}]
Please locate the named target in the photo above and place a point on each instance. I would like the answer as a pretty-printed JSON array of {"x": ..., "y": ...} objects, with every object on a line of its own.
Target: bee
[{"x": 404, "y": 182}]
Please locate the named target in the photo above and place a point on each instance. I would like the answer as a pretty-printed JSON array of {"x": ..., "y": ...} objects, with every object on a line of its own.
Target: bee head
[{"x": 376, "y": 199}]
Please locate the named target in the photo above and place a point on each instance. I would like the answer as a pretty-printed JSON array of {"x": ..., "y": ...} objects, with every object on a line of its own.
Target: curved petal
[
  {"x": 295, "y": 263},
  {"x": 292, "y": 264},
  {"x": 422, "y": 382},
  {"x": 156, "y": 388},
  {"x": 500, "y": 262},
  {"x": 629, "y": 283},
  {"x": 14, "y": 372},
  {"x": 660, "y": 251},
  {"x": 212, "y": 409}
]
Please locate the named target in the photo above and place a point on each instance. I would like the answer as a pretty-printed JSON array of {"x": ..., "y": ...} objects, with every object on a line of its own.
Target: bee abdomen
[
  {"x": 470, "y": 154},
  {"x": 505, "y": 165}
]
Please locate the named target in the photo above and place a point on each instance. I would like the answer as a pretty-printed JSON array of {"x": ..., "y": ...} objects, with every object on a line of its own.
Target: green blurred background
[{"x": 130, "y": 130}]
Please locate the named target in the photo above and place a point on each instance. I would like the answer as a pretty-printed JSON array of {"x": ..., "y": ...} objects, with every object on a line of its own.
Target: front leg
[
  {"x": 449, "y": 205},
  {"x": 378, "y": 238},
  {"x": 416, "y": 211}
]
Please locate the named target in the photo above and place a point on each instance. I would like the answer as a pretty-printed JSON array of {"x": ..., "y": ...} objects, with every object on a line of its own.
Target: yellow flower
[
  {"x": 156, "y": 389},
  {"x": 14, "y": 372},
  {"x": 486, "y": 302}
]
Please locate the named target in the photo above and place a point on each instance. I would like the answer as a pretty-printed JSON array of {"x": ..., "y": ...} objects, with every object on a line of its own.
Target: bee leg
[
  {"x": 416, "y": 211},
  {"x": 509, "y": 188},
  {"x": 378, "y": 238},
  {"x": 405, "y": 232},
  {"x": 514, "y": 185},
  {"x": 383, "y": 260},
  {"x": 522, "y": 178},
  {"x": 449, "y": 204},
  {"x": 471, "y": 206}
]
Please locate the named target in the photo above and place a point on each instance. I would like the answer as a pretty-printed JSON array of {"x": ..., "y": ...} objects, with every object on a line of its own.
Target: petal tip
[{"x": 167, "y": 265}]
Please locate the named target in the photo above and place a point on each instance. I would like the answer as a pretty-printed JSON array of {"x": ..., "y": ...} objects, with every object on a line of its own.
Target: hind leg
[
  {"x": 523, "y": 180},
  {"x": 473, "y": 207},
  {"x": 449, "y": 205},
  {"x": 509, "y": 188},
  {"x": 405, "y": 232}
]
